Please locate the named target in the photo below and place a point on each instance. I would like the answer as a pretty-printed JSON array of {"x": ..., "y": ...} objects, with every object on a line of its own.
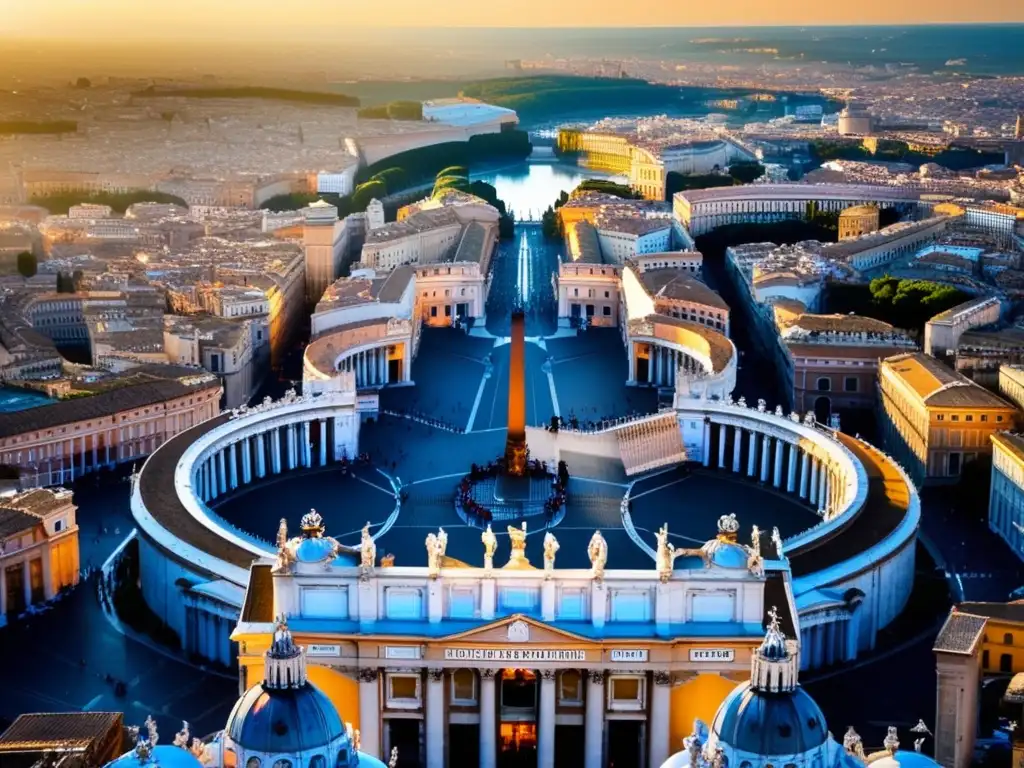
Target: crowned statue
[
  {"x": 597, "y": 550},
  {"x": 517, "y": 538},
  {"x": 490, "y": 542},
  {"x": 436, "y": 546},
  {"x": 550, "y": 548},
  {"x": 367, "y": 550}
]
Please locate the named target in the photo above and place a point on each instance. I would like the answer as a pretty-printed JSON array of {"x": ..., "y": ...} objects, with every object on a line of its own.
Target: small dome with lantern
[
  {"x": 724, "y": 550},
  {"x": 184, "y": 752},
  {"x": 313, "y": 546},
  {"x": 287, "y": 722}
]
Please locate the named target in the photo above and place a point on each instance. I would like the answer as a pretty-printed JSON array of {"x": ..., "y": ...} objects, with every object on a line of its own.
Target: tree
[
  {"x": 364, "y": 193},
  {"x": 747, "y": 171},
  {"x": 28, "y": 265},
  {"x": 608, "y": 188}
]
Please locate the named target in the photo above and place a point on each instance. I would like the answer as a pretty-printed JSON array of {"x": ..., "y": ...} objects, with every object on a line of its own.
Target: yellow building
[
  {"x": 858, "y": 220},
  {"x": 937, "y": 420},
  {"x": 38, "y": 549},
  {"x": 977, "y": 640}
]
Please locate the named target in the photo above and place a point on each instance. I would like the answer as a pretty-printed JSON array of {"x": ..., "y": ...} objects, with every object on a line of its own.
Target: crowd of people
[
  {"x": 422, "y": 418},
  {"x": 478, "y": 514},
  {"x": 589, "y": 425}
]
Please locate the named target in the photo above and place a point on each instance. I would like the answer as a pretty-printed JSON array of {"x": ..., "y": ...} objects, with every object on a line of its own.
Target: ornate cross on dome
[{"x": 773, "y": 620}]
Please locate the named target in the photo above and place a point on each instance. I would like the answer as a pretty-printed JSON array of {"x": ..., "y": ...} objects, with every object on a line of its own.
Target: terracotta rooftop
[
  {"x": 66, "y": 730},
  {"x": 680, "y": 285},
  {"x": 937, "y": 385}
]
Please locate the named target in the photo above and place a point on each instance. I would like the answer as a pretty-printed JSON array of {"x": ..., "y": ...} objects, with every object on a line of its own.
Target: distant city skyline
[{"x": 263, "y": 19}]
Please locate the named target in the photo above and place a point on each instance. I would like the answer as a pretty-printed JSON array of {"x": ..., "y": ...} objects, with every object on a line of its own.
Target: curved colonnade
[
  {"x": 853, "y": 572},
  {"x": 679, "y": 354},
  {"x": 194, "y": 566},
  {"x": 360, "y": 355}
]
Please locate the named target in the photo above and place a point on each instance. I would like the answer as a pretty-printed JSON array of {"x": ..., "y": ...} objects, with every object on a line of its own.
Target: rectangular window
[
  {"x": 1006, "y": 662},
  {"x": 607, "y": 311},
  {"x": 572, "y": 604},
  {"x": 984, "y": 417},
  {"x": 850, "y": 384},
  {"x": 323, "y": 602},
  {"x": 401, "y": 603},
  {"x": 940, "y": 417},
  {"x": 403, "y": 691},
  {"x": 630, "y": 605},
  {"x": 955, "y": 417},
  {"x": 464, "y": 687},
  {"x": 968, "y": 417},
  {"x": 626, "y": 693},
  {"x": 462, "y": 603},
  {"x": 570, "y": 687}
]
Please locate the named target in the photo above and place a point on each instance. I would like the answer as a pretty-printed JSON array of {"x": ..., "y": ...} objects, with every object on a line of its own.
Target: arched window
[
  {"x": 282, "y": 763},
  {"x": 342, "y": 761},
  {"x": 1008, "y": 639},
  {"x": 824, "y": 384},
  {"x": 318, "y": 761},
  {"x": 252, "y": 762}
]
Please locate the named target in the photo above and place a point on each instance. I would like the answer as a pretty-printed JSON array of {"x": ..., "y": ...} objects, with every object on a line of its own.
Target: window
[
  {"x": 626, "y": 693},
  {"x": 58, "y": 526},
  {"x": 850, "y": 384},
  {"x": 999, "y": 418},
  {"x": 1008, "y": 639},
  {"x": 572, "y": 604},
  {"x": 824, "y": 384},
  {"x": 955, "y": 417},
  {"x": 282, "y": 763},
  {"x": 570, "y": 687},
  {"x": 462, "y": 604},
  {"x": 984, "y": 659},
  {"x": 984, "y": 417},
  {"x": 968, "y": 417},
  {"x": 463, "y": 687},
  {"x": 940, "y": 417},
  {"x": 607, "y": 311},
  {"x": 954, "y": 464},
  {"x": 1006, "y": 662},
  {"x": 318, "y": 761},
  {"x": 403, "y": 691}
]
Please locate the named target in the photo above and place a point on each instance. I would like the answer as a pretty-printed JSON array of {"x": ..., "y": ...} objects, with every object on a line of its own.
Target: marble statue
[
  {"x": 442, "y": 541},
  {"x": 367, "y": 549},
  {"x": 285, "y": 555},
  {"x": 755, "y": 540},
  {"x": 665, "y": 555},
  {"x": 852, "y": 743},
  {"x": 891, "y": 742},
  {"x": 435, "y": 551},
  {"x": 597, "y": 550},
  {"x": 550, "y": 548},
  {"x": 777, "y": 541},
  {"x": 490, "y": 542},
  {"x": 517, "y": 538}
]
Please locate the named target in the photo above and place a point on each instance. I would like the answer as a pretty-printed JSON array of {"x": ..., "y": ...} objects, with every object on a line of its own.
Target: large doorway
[
  {"x": 569, "y": 746},
  {"x": 517, "y": 745},
  {"x": 625, "y": 747},
  {"x": 15, "y": 576},
  {"x": 464, "y": 745},
  {"x": 822, "y": 409},
  {"x": 405, "y": 734}
]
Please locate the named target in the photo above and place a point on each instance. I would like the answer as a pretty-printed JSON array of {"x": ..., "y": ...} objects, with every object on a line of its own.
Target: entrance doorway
[
  {"x": 405, "y": 734},
  {"x": 517, "y": 745},
  {"x": 625, "y": 743},
  {"x": 15, "y": 575},
  {"x": 822, "y": 409},
  {"x": 464, "y": 744},
  {"x": 569, "y": 746},
  {"x": 394, "y": 370}
]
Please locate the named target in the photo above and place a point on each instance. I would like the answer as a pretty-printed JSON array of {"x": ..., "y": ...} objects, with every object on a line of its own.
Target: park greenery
[
  {"x": 59, "y": 204},
  {"x": 904, "y": 303},
  {"x": 251, "y": 92},
  {"x": 746, "y": 171},
  {"x": 16, "y": 127},
  {"x": 456, "y": 177},
  {"x": 395, "y": 110},
  {"x": 743, "y": 172},
  {"x": 28, "y": 264},
  {"x": 893, "y": 151},
  {"x": 608, "y": 188}
]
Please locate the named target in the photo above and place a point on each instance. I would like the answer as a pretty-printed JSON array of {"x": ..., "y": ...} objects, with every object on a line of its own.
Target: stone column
[
  {"x": 307, "y": 446},
  {"x": 804, "y": 459},
  {"x": 766, "y": 451},
  {"x": 276, "y": 448},
  {"x": 650, "y": 363},
  {"x": 435, "y": 718},
  {"x": 791, "y": 471},
  {"x": 593, "y": 726},
  {"x": 369, "y": 712},
  {"x": 752, "y": 458},
  {"x": 233, "y": 464},
  {"x": 323, "y": 442},
  {"x": 261, "y": 456},
  {"x": 659, "y": 723},
  {"x": 3, "y": 592},
  {"x": 721, "y": 446},
  {"x": 546, "y": 720},
  {"x": 826, "y": 488},
  {"x": 95, "y": 458},
  {"x": 488, "y": 720},
  {"x": 777, "y": 480},
  {"x": 26, "y": 576},
  {"x": 813, "y": 497},
  {"x": 737, "y": 447},
  {"x": 83, "y": 454},
  {"x": 707, "y": 442},
  {"x": 246, "y": 461}
]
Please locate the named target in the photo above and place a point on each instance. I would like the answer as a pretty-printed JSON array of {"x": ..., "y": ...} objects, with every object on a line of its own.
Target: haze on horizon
[{"x": 240, "y": 20}]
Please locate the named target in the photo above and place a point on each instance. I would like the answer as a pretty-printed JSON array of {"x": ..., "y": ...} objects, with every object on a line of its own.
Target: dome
[
  {"x": 770, "y": 724},
  {"x": 678, "y": 760},
  {"x": 160, "y": 756},
  {"x": 725, "y": 551},
  {"x": 903, "y": 759},
  {"x": 284, "y": 720},
  {"x": 368, "y": 761}
]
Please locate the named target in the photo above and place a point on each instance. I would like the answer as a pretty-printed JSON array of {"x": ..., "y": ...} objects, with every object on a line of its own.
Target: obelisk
[{"x": 515, "y": 442}]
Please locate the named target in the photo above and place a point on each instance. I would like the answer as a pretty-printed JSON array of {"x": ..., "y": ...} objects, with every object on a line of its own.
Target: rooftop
[
  {"x": 66, "y": 730},
  {"x": 680, "y": 285},
  {"x": 937, "y": 385},
  {"x": 960, "y": 633}
]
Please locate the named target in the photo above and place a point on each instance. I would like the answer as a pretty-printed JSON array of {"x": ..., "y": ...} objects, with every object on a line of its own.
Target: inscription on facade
[
  {"x": 513, "y": 654},
  {"x": 402, "y": 652},
  {"x": 629, "y": 654},
  {"x": 712, "y": 654},
  {"x": 323, "y": 650}
]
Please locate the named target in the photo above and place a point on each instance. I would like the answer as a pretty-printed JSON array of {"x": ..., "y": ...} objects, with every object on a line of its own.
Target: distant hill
[{"x": 247, "y": 92}]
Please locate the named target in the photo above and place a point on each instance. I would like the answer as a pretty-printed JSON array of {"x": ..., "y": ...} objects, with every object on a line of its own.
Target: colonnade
[
  {"x": 370, "y": 367},
  {"x": 783, "y": 463},
  {"x": 271, "y": 451},
  {"x": 829, "y": 642},
  {"x": 662, "y": 364},
  {"x": 594, "y": 718}
]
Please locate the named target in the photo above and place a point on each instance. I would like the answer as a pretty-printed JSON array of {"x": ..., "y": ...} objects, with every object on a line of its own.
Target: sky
[{"x": 264, "y": 19}]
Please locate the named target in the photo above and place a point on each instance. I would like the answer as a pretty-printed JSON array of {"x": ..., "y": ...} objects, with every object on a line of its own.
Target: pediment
[{"x": 517, "y": 630}]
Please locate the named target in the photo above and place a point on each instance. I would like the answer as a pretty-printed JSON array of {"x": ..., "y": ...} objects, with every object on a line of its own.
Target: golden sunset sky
[{"x": 106, "y": 19}]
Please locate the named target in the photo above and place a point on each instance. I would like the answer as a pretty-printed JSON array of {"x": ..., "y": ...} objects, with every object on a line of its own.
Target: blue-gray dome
[
  {"x": 284, "y": 720},
  {"x": 726, "y": 554},
  {"x": 905, "y": 759},
  {"x": 770, "y": 724},
  {"x": 160, "y": 756}
]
